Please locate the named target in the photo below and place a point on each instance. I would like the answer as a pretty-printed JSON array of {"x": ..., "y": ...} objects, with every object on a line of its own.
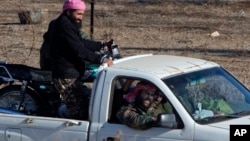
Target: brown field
[{"x": 180, "y": 27}]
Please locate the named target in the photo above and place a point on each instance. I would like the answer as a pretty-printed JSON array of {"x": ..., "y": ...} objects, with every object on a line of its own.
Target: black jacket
[{"x": 69, "y": 51}]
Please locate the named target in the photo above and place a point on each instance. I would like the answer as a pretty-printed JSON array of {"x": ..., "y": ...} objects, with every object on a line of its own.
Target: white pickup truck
[{"x": 205, "y": 98}]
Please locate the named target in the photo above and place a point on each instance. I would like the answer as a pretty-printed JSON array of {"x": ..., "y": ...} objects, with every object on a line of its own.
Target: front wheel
[{"x": 10, "y": 98}]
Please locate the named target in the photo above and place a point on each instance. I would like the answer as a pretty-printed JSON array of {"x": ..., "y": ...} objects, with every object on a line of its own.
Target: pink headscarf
[
  {"x": 74, "y": 4},
  {"x": 130, "y": 97}
]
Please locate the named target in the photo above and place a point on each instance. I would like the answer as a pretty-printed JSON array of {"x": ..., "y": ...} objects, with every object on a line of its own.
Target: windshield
[{"x": 211, "y": 94}]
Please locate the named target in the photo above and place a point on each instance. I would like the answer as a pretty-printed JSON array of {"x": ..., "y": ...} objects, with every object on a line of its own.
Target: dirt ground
[{"x": 176, "y": 27}]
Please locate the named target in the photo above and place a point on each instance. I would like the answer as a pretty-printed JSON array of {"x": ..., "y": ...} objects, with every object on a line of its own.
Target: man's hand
[
  {"x": 105, "y": 59},
  {"x": 108, "y": 61}
]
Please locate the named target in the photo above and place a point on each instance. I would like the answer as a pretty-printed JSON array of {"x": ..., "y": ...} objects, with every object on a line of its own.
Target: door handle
[
  {"x": 71, "y": 123},
  {"x": 112, "y": 139}
]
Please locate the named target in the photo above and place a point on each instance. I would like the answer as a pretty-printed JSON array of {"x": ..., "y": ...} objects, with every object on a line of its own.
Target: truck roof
[{"x": 162, "y": 65}]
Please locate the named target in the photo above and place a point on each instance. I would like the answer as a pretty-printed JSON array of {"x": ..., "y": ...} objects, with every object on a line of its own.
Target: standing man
[{"x": 68, "y": 52}]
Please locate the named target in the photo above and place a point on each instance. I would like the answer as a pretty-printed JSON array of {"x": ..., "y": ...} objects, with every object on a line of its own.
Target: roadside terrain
[{"x": 209, "y": 29}]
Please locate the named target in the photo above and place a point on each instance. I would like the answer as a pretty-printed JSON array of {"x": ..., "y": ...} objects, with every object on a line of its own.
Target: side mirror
[{"x": 167, "y": 120}]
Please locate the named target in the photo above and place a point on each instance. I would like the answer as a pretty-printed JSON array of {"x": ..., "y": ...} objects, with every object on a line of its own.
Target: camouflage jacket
[{"x": 136, "y": 117}]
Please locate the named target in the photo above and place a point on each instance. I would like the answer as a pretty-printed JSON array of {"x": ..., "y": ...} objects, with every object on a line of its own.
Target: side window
[
  {"x": 121, "y": 96},
  {"x": 121, "y": 86}
]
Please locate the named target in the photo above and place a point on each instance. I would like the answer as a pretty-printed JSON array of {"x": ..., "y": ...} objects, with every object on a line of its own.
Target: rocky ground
[{"x": 181, "y": 27}]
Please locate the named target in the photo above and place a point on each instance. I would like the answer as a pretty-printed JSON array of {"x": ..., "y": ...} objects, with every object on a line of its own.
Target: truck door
[
  {"x": 110, "y": 129},
  {"x": 34, "y": 128},
  {"x": 13, "y": 134}
]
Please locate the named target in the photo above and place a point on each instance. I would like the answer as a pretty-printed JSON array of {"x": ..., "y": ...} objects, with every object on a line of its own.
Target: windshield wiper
[
  {"x": 223, "y": 117},
  {"x": 241, "y": 113},
  {"x": 216, "y": 118}
]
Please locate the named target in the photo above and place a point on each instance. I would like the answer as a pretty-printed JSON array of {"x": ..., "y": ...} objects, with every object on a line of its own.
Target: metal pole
[{"x": 92, "y": 19}]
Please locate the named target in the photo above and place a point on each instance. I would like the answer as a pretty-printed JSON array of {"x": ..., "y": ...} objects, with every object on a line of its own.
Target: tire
[{"x": 10, "y": 99}]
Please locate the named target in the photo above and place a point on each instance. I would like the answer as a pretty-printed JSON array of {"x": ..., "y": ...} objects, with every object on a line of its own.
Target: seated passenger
[
  {"x": 161, "y": 105},
  {"x": 139, "y": 114}
]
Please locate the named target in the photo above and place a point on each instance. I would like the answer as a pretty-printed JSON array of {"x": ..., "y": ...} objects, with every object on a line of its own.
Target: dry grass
[{"x": 181, "y": 27}]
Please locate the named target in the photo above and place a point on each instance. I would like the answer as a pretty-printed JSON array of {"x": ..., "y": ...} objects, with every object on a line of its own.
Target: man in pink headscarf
[
  {"x": 130, "y": 97},
  {"x": 67, "y": 54},
  {"x": 139, "y": 113}
]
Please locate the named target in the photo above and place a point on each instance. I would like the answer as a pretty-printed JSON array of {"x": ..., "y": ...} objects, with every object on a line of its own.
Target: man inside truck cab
[
  {"x": 161, "y": 104},
  {"x": 139, "y": 114}
]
